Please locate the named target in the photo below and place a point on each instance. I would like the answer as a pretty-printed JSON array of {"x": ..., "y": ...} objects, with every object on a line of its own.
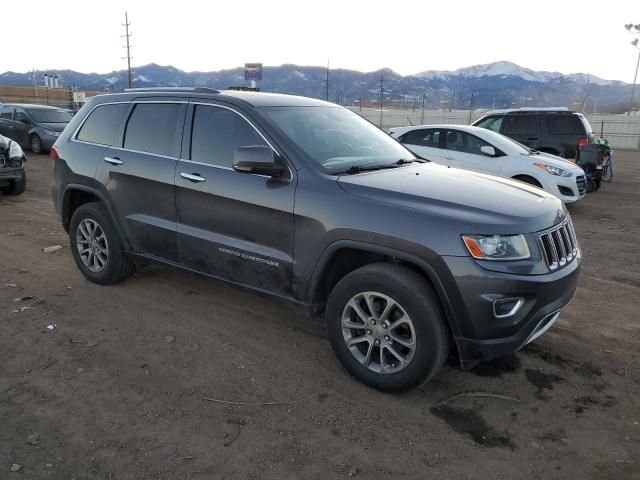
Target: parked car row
[
  {"x": 13, "y": 179},
  {"x": 538, "y": 146},
  {"x": 36, "y": 127},
  {"x": 306, "y": 201}
]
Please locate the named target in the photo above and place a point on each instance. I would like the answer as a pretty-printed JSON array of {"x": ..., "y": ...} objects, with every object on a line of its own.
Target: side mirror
[
  {"x": 488, "y": 150},
  {"x": 25, "y": 120},
  {"x": 257, "y": 159}
]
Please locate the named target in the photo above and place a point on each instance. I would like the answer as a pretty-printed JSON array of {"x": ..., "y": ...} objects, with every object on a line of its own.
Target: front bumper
[
  {"x": 483, "y": 335},
  {"x": 569, "y": 190},
  {"x": 9, "y": 174}
]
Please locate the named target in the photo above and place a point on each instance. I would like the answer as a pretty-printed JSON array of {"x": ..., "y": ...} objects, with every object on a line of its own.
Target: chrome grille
[
  {"x": 582, "y": 184},
  {"x": 559, "y": 245}
]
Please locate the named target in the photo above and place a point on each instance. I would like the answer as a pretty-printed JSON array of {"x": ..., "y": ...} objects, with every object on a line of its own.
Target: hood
[
  {"x": 55, "y": 127},
  {"x": 487, "y": 204}
]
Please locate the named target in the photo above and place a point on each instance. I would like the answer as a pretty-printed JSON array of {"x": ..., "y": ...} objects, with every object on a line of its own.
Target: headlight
[
  {"x": 51, "y": 133},
  {"x": 497, "y": 247},
  {"x": 560, "y": 172},
  {"x": 15, "y": 151}
]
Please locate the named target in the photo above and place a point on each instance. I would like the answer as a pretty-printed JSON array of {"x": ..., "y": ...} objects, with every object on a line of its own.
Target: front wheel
[
  {"x": 35, "y": 143},
  {"x": 96, "y": 246},
  {"x": 386, "y": 327}
]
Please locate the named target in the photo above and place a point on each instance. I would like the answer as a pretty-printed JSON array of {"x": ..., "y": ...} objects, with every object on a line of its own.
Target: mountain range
[{"x": 498, "y": 84}]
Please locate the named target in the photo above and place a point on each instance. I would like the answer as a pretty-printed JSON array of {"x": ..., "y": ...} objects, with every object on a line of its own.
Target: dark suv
[
  {"x": 557, "y": 131},
  {"x": 308, "y": 202}
]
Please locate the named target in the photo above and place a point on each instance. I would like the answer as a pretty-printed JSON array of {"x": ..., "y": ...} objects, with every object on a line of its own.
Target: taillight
[
  {"x": 54, "y": 153},
  {"x": 583, "y": 141}
]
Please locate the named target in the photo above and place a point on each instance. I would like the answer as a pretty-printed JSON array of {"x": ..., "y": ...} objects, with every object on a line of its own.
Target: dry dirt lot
[{"x": 118, "y": 390}]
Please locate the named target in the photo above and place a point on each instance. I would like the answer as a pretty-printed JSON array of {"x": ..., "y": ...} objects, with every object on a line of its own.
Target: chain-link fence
[{"x": 622, "y": 131}]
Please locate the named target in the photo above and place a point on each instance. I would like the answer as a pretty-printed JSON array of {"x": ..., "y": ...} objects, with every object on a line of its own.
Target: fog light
[{"x": 507, "y": 307}]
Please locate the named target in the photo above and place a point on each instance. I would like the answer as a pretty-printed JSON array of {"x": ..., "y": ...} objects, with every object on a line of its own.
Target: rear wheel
[
  {"x": 386, "y": 327},
  {"x": 35, "y": 143},
  {"x": 96, "y": 246},
  {"x": 16, "y": 187}
]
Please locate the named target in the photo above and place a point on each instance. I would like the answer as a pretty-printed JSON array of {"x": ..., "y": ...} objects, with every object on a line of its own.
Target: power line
[{"x": 127, "y": 35}]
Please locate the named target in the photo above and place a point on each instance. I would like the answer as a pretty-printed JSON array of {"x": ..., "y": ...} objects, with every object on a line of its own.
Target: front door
[
  {"x": 138, "y": 174},
  {"x": 463, "y": 151},
  {"x": 232, "y": 225},
  {"x": 21, "y": 126}
]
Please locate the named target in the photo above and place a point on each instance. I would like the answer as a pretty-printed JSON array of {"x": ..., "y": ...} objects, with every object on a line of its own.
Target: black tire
[
  {"x": 16, "y": 187},
  {"x": 35, "y": 143},
  {"x": 591, "y": 186},
  {"x": 417, "y": 298},
  {"x": 118, "y": 265},
  {"x": 528, "y": 179}
]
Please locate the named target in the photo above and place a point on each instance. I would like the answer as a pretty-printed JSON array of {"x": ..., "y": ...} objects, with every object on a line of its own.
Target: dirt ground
[{"x": 119, "y": 389}]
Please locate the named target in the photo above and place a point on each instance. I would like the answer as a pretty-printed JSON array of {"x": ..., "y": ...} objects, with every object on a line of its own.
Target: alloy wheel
[
  {"x": 92, "y": 245},
  {"x": 378, "y": 332}
]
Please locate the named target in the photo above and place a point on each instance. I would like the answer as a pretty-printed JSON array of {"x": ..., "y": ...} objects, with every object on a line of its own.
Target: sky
[{"x": 407, "y": 36}]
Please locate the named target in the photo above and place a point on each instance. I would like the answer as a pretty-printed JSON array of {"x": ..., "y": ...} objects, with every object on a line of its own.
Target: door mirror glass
[
  {"x": 488, "y": 150},
  {"x": 24, "y": 119},
  {"x": 257, "y": 159}
]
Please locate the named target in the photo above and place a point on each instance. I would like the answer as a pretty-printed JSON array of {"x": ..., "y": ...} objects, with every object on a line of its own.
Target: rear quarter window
[
  {"x": 565, "y": 125},
  {"x": 102, "y": 124}
]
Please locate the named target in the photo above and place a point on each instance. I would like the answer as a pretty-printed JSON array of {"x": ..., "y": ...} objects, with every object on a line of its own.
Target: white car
[{"x": 482, "y": 150}]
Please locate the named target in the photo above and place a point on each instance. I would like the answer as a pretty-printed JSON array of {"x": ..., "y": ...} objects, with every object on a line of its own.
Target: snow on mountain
[{"x": 509, "y": 69}]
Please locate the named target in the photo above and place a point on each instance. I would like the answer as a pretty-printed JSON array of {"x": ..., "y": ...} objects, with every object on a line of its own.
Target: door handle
[
  {"x": 113, "y": 160},
  {"x": 193, "y": 177}
]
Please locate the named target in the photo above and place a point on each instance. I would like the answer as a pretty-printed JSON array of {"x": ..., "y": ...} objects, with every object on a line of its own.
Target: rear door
[
  {"x": 523, "y": 128},
  {"x": 232, "y": 225},
  {"x": 463, "y": 151},
  {"x": 425, "y": 142},
  {"x": 138, "y": 174}
]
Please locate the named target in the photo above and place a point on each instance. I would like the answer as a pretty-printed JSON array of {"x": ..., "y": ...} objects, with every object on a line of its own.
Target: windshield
[
  {"x": 336, "y": 138},
  {"x": 42, "y": 115}
]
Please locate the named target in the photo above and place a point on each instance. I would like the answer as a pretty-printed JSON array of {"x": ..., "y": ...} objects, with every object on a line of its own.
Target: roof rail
[
  {"x": 528, "y": 109},
  {"x": 173, "y": 89}
]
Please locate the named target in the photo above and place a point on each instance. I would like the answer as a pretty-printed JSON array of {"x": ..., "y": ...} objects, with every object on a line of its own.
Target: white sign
[{"x": 79, "y": 97}]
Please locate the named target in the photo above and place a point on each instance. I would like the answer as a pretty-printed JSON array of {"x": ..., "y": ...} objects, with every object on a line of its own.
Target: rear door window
[
  {"x": 102, "y": 124},
  {"x": 565, "y": 125},
  {"x": 521, "y": 125},
  {"x": 152, "y": 128},
  {"x": 7, "y": 113},
  {"x": 422, "y": 137}
]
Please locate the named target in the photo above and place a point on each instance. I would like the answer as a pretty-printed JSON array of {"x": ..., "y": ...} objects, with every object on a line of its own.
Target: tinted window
[
  {"x": 464, "y": 142},
  {"x": 564, "y": 125},
  {"x": 491, "y": 123},
  {"x": 152, "y": 128},
  {"x": 216, "y": 134},
  {"x": 102, "y": 124},
  {"x": 424, "y": 138},
  {"x": 521, "y": 125},
  {"x": 7, "y": 112}
]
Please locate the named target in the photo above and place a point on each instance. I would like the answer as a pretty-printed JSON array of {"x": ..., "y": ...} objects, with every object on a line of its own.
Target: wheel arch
[
  {"x": 332, "y": 267},
  {"x": 524, "y": 176},
  {"x": 75, "y": 195}
]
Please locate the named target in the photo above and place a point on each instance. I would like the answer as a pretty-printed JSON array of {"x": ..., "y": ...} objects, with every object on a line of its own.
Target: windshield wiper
[
  {"x": 404, "y": 161},
  {"x": 360, "y": 168}
]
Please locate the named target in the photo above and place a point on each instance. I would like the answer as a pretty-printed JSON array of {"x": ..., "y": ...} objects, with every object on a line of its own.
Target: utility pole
[
  {"x": 327, "y": 83},
  {"x": 381, "y": 97},
  {"x": 424, "y": 96},
  {"x": 127, "y": 35},
  {"x": 470, "y": 108}
]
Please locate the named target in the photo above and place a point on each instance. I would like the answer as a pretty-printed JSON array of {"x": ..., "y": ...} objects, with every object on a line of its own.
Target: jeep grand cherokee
[{"x": 306, "y": 201}]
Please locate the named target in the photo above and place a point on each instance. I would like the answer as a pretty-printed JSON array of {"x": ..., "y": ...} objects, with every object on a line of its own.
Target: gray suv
[{"x": 308, "y": 202}]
